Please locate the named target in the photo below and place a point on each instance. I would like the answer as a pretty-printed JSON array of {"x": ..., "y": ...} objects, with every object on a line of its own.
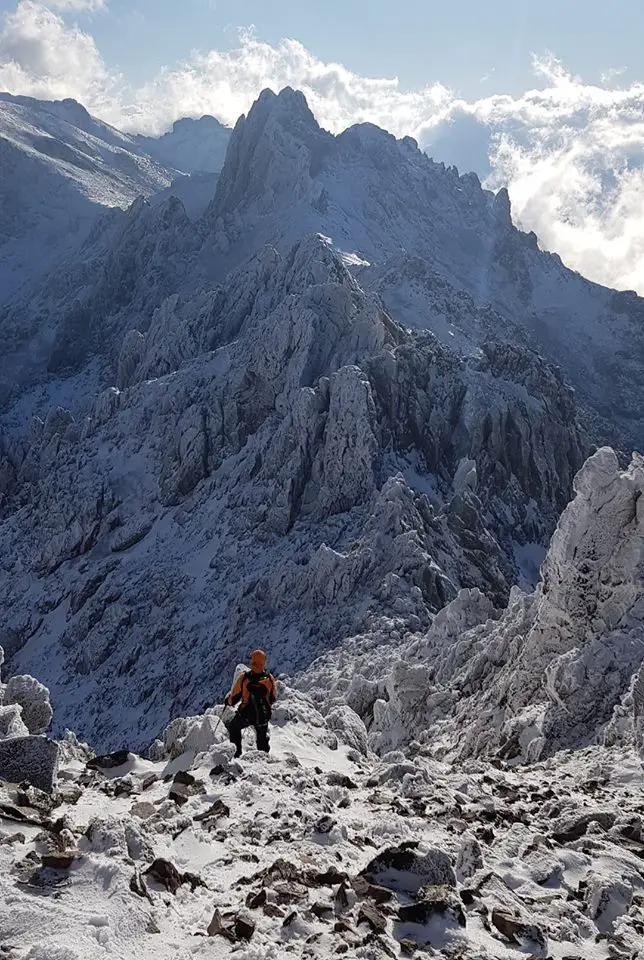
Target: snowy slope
[
  {"x": 320, "y": 850},
  {"x": 59, "y": 169},
  {"x": 192, "y": 146}
]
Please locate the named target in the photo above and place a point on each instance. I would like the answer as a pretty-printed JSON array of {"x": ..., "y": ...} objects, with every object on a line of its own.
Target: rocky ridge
[
  {"x": 286, "y": 421},
  {"x": 557, "y": 668}
]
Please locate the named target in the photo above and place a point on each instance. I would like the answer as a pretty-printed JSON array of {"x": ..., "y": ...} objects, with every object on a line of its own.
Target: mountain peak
[{"x": 274, "y": 150}]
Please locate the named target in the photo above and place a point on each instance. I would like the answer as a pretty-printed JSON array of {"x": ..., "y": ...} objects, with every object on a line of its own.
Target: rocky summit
[{"x": 343, "y": 410}]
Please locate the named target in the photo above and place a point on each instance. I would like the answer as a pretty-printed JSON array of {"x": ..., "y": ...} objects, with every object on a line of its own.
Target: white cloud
[
  {"x": 571, "y": 153},
  {"x": 41, "y": 56}
]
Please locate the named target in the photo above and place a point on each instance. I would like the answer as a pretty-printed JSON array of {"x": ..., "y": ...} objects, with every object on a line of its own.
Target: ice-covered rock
[
  {"x": 349, "y": 727},
  {"x": 551, "y": 669},
  {"x": 11, "y": 722},
  {"x": 33, "y": 697}
]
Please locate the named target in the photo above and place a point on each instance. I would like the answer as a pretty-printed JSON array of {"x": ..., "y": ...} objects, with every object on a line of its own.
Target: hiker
[{"x": 257, "y": 691}]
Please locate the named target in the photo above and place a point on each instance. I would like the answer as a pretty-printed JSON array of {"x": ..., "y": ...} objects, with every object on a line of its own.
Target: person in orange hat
[{"x": 256, "y": 690}]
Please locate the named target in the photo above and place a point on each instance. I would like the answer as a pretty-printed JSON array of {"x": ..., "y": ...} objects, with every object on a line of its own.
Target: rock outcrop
[
  {"x": 25, "y": 714},
  {"x": 554, "y": 669}
]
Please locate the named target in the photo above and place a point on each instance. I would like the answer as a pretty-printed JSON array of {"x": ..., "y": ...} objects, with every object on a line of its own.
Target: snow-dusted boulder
[
  {"x": 11, "y": 722},
  {"x": 349, "y": 727},
  {"x": 190, "y": 734},
  {"x": 33, "y": 697},
  {"x": 29, "y": 758}
]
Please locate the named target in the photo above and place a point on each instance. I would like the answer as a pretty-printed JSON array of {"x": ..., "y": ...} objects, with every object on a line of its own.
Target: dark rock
[
  {"x": 515, "y": 929},
  {"x": 58, "y": 861},
  {"x": 403, "y": 868},
  {"x": 69, "y": 793},
  {"x": 432, "y": 901},
  {"x": 408, "y": 947},
  {"x": 29, "y": 758},
  {"x": 185, "y": 778},
  {"x": 178, "y": 795},
  {"x": 325, "y": 878},
  {"x": 375, "y": 919},
  {"x": 217, "y": 928},
  {"x": 30, "y": 796},
  {"x": 14, "y": 838},
  {"x": 325, "y": 824},
  {"x": 166, "y": 874},
  {"x": 335, "y": 779},
  {"x": 218, "y": 809},
  {"x": 288, "y": 892},
  {"x": 572, "y": 825},
  {"x": 193, "y": 879},
  {"x": 149, "y": 781},
  {"x": 290, "y": 918},
  {"x": 323, "y": 911},
  {"x": 365, "y": 889},
  {"x": 255, "y": 900},
  {"x": 109, "y": 761},
  {"x": 341, "y": 900},
  {"x": 273, "y": 911},
  {"x": 14, "y": 813},
  {"x": 138, "y": 885},
  {"x": 243, "y": 929}
]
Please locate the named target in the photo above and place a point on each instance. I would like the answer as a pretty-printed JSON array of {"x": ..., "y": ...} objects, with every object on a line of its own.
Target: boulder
[
  {"x": 29, "y": 758},
  {"x": 407, "y": 869},
  {"x": 347, "y": 724},
  {"x": 33, "y": 697},
  {"x": 11, "y": 722}
]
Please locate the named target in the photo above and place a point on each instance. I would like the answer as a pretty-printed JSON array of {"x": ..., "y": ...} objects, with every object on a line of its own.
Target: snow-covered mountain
[
  {"x": 59, "y": 169},
  {"x": 313, "y": 419},
  {"x": 192, "y": 146},
  {"x": 256, "y": 449}
]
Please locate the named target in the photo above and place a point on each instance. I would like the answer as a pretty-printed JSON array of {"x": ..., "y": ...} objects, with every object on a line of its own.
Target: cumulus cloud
[
  {"x": 41, "y": 56},
  {"x": 227, "y": 83},
  {"x": 571, "y": 153}
]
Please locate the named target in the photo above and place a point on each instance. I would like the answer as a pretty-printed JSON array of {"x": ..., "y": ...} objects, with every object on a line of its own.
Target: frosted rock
[
  {"x": 608, "y": 899},
  {"x": 406, "y": 869},
  {"x": 29, "y": 758},
  {"x": 33, "y": 698},
  {"x": 190, "y": 734},
  {"x": 349, "y": 727},
  {"x": 465, "y": 477},
  {"x": 553, "y": 667},
  {"x": 132, "y": 352},
  {"x": 11, "y": 722}
]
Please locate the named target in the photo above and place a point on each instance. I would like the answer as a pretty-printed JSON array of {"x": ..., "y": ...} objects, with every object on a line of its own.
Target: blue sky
[{"x": 419, "y": 41}]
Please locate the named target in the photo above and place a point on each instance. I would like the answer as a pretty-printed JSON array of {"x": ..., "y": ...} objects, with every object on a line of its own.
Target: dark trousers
[{"x": 246, "y": 718}]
